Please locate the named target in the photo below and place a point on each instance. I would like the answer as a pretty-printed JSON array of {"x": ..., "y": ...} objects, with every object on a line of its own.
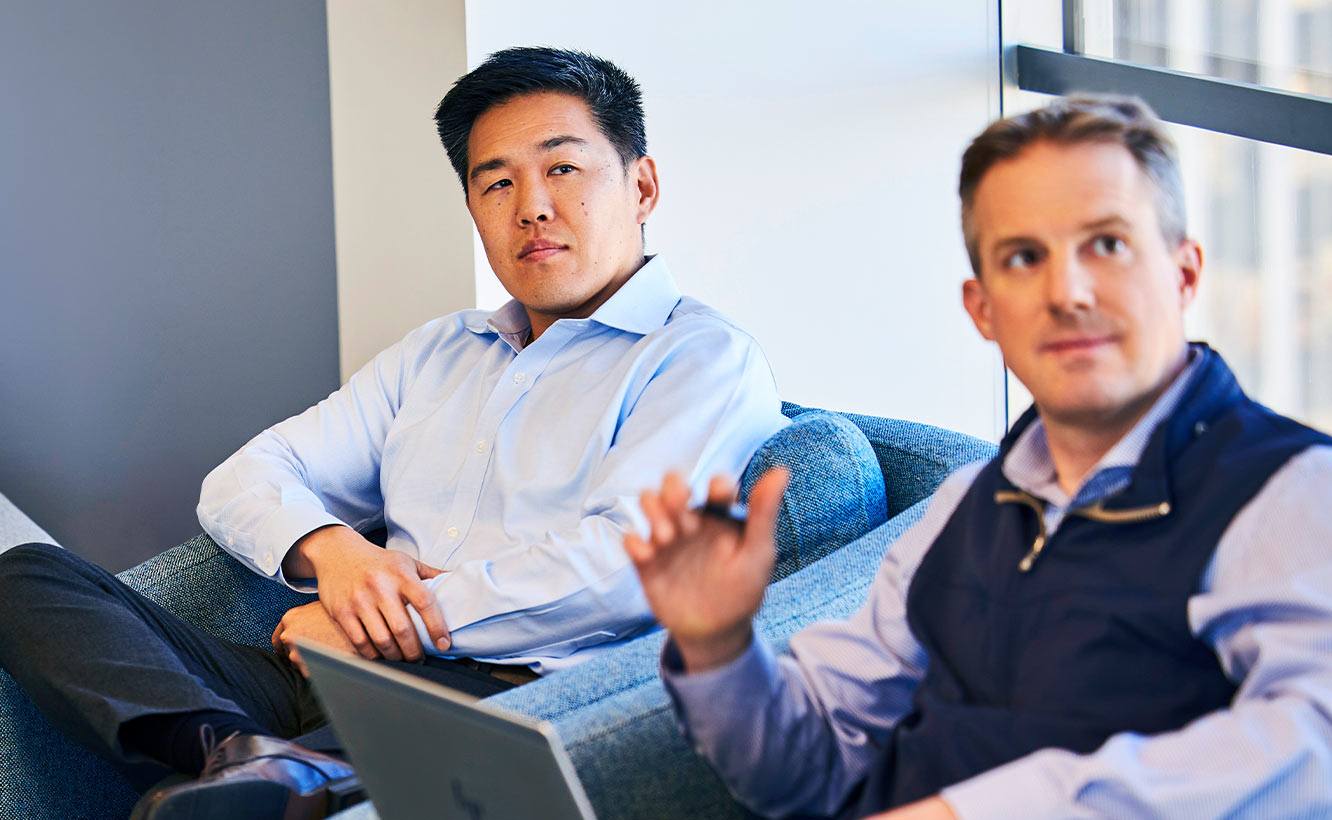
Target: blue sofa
[{"x": 611, "y": 712}]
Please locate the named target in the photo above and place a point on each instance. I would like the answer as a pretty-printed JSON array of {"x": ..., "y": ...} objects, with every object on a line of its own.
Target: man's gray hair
[{"x": 1125, "y": 121}]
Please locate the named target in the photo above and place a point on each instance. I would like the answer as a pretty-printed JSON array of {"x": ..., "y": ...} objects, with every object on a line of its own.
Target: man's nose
[
  {"x": 535, "y": 205},
  {"x": 1069, "y": 284}
]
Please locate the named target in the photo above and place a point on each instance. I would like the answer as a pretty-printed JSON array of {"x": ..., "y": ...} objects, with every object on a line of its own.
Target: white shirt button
[
  {"x": 481, "y": 446},
  {"x": 519, "y": 378},
  {"x": 453, "y": 532}
]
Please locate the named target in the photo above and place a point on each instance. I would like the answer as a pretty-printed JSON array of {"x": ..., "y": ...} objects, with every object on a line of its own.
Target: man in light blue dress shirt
[
  {"x": 1127, "y": 613},
  {"x": 502, "y": 452}
]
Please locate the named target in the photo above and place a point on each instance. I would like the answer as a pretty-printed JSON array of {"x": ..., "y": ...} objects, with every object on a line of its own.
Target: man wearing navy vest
[{"x": 1127, "y": 613}]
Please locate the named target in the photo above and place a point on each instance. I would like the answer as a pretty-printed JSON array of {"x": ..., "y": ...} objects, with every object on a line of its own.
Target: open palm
[{"x": 704, "y": 576}]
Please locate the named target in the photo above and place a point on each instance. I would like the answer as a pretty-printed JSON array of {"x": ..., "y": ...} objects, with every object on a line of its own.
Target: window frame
[{"x": 1241, "y": 109}]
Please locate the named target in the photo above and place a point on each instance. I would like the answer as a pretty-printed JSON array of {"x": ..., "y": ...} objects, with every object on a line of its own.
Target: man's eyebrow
[
  {"x": 488, "y": 165},
  {"x": 1106, "y": 222},
  {"x": 1113, "y": 221},
  {"x": 563, "y": 139},
  {"x": 545, "y": 145},
  {"x": 1012, "y": 241}
]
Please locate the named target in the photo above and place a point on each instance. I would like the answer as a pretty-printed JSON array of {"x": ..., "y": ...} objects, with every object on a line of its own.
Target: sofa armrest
[
  {"x": 915, "y": 458},
  {"x": 616, "y": 720},
  {"x": 201, "y": 583}
]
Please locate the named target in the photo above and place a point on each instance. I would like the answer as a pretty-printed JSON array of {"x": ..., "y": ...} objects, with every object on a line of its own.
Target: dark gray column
[{"x": 167, "y": 279}]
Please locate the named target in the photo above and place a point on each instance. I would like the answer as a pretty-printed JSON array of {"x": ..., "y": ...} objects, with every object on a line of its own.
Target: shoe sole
[{"x": 243, "y": 798}]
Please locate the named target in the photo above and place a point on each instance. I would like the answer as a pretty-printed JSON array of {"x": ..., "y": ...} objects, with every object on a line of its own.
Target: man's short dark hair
[
  {"x": 1125, "y": 121},
  {"x": 612, "y": 96}
]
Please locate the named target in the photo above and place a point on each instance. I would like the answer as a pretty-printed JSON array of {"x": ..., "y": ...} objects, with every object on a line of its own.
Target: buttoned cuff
[
  {"x": 1024, "y": 788},
  {"x": 281, "y": 531}
]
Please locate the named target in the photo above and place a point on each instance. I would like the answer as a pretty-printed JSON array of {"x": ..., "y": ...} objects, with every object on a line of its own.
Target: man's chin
[
  {"x": 1093, "y": 410},
  {"x": 556, "y": 308}
]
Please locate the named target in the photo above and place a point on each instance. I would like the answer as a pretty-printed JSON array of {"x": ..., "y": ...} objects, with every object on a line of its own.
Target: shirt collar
[
  {"x": 1030, "y": 467},
  {"x": 641, "y": 305}
]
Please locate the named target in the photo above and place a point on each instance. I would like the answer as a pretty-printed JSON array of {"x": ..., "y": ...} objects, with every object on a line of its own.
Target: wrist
[
  {"x": 306, "y": 555},
  {"x": 700, "y": 654}
]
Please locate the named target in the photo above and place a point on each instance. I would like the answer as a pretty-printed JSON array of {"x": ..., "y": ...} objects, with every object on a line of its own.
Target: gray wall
[{"x": 167, "y": 279}]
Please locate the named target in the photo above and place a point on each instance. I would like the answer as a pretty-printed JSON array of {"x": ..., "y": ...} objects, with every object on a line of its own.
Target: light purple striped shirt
[{"x": 798, "y": 733}]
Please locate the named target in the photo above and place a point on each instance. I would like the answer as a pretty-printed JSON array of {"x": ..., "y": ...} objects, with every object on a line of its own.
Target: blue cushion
[{"x": 836, "y": 492}]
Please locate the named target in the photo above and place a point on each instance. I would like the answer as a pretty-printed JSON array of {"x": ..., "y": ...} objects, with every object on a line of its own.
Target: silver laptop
[{"x": 425, "y": 751}]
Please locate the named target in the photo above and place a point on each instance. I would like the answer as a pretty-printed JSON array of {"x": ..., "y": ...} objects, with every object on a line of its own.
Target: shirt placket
[{"x": 514, "y": 383}]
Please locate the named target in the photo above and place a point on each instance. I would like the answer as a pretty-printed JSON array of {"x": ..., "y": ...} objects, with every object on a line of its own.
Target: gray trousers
[{"x": 94, "y": 654}]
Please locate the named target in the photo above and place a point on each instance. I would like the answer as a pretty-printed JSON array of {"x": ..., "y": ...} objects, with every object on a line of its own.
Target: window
[{"x": 1248, "y": 82}]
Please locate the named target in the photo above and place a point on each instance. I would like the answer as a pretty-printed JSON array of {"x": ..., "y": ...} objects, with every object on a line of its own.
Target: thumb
[
  {"x": 426, "y": 572},
  {"x": 765, "y": 502}
]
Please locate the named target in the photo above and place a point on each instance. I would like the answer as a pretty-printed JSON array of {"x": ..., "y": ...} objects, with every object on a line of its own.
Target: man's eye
[
  {"x": 1023, "y": 258},
  {"x": 497, "y": 184},
  {"x": 1108, "y": 246},
  {"x": 563, "y": 168}
]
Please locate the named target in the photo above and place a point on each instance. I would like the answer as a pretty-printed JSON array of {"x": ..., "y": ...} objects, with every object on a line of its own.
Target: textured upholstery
[
  {"x": 836, "y": 491},
  {"x": 612, "y": 711}
]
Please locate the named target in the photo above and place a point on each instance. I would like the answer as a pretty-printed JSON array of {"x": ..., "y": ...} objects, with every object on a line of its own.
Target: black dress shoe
[{"x": 254, "y": 776}]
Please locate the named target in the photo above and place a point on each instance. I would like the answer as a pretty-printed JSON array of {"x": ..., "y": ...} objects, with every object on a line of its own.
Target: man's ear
[
  {"x": 977, "y": 303},
  {"x": 1189, "y": 262},
  {"x": 644, "y": 172}
]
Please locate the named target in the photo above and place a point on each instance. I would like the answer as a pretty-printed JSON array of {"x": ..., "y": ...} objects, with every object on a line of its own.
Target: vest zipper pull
[
  {"x": 1030, "y": 558},
  {"x": 1038, "y": 507}
]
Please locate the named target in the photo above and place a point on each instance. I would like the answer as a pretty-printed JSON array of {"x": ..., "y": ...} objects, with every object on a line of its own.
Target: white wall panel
[
  {"x": 808, "y": 155},
  {"x": 404, "y": 239}
]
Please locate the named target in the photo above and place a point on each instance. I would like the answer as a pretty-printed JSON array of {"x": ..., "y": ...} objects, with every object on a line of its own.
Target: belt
[{"x": 517, "y": 675}]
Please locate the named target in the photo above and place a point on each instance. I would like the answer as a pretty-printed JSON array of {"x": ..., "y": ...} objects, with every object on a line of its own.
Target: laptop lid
[{"x": 426, "y": 751}]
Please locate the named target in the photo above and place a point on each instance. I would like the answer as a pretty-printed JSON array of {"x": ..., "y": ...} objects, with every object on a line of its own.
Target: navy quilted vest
[{"x": 1092, "y": 638}]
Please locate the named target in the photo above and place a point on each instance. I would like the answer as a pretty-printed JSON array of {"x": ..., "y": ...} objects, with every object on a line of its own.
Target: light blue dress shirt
[
  {"x": 797, "y": 734},
  {"x": 514, "y": 467}
]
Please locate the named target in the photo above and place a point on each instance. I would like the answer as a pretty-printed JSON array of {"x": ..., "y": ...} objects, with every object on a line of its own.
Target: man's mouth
[
  {"x": 540, "y": 249},
  {"x": 1075, "y": 344}
]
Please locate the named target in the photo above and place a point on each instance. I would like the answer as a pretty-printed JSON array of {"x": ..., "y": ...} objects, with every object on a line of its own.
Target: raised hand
[
  {"x": 366, "y": 589},
  {"x": 704, "y": 576}
]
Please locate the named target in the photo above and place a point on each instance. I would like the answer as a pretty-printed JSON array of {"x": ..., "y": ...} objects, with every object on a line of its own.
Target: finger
[
  {"x": 765, "y": 503},
  {"x": 351, "y": 627},
  {"x": 379, "y": 633},
  {"x": 674, "y": 494},
  {"x": 427, "y": 606},
  {"x": 721, "y": 490},
  {"x": 426, "y": 572},
  {"x": 663, "y": 530},
  {"x": 404, "y": 631},
  {"x": 298, "y": 662},
  {"x": 277, "y": 630},
  {"x": 640, "y": 551}
]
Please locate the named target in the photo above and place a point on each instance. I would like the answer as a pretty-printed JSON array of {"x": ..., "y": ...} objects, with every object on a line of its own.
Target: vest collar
[{"x": 1211, "y": 390}]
